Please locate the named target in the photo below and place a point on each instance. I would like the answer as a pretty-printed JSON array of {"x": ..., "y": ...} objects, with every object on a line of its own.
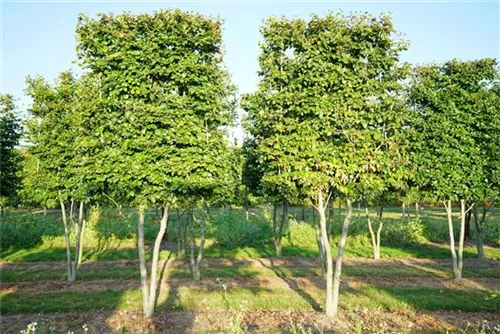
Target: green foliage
[
  {"x": 24, "y": 231},
  {"x": 454, "y": 129},
  {"x": 329, "y": 107},
  {"x": 10, "y": 133},
  {"x": 166, "y": 104},
  {"x": 230, "y": 229}
]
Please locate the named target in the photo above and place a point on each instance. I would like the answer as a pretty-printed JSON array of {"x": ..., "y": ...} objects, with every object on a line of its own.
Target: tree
[
  {"x": 328, "y": 112},
  {"x": 165, "y": 107},
  {"x": 10, "y": 133},
  {"x": 58, "y": 155},
  {"x": 454, "y": 118}
]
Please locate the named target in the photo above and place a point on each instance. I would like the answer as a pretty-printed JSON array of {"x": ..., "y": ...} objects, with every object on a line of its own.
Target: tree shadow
[{"x": 292, "y": 284}]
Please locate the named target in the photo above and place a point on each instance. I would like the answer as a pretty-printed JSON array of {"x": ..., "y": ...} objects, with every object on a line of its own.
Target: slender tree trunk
[
  {"x": 417, "y": 211},
  {"x": 180, "y": 240},
  {"x": 376, "y": 255},
  {"x": 403, "y": 211},
  {"x": 143, "y": 264},
  {"x": 448, "y": 207},
  {"x": 44, "y": 210},
  {"x": 321, "y": 207},
  {"x": 379, "y": 230},
  {"x": 78, "y": 240},
  {"x": 463, "y": 213},
  {"x": 331, "y": 218},
  {"x": 468, "y": 217},
  {"x": 303, "y": 213},
  {"x": 71, "y": 211},
  {"x": 321, "y": 249},
  {"x": 153, "y": 284},
  {"x": 246, "y": 203},
  {"x": 278, "y": 231},
  {"x": 340, "y": 255},
  {"x": 67, "y": 240},
  {"x": 479, "y": 232},
  {"x": 196, "y": 259},
  {"x": 82, "y": 242}
]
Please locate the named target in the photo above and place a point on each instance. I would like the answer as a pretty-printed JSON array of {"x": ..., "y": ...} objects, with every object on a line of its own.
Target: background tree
[
  {"x": 329, "y": 113},
  {"x": 55, "y": 131},
  {"x": 452, "y": 122},
  {"x": 10, "y": 160},
  {"x": 165, "y": 107}
]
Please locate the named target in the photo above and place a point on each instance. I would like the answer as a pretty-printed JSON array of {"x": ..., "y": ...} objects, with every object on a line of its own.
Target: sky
[{"x": 38, "y": 37}]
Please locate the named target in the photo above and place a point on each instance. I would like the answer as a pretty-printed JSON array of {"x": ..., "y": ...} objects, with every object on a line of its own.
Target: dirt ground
[{"x": 364, "y": 320}]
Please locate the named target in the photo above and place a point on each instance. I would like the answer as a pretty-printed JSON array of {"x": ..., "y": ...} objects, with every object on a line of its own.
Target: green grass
[
  {"x": 391, "y": 299},
  {"x": 87, "y": 272}
]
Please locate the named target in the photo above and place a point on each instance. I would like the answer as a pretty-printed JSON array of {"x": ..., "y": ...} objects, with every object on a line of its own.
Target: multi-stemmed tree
[
  {"x": 454, "y": 138},
  {"x": 57, "y": 155},
  {"x": 327, "y": 114},
  {"x": 166, "y": 103}
]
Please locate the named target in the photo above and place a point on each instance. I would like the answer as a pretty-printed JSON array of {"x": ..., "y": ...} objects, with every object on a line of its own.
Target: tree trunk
[
  {"x": 180, "y": 236},
  {"x": 417, "y": 211},
  {"x": 403, "y": 212},
  {"x": 331, "y": 218},
  {"x": 376, "y": 254},
  {"x": 44, "y": 210},
  {"x": 340, "y": 255},
  {"x": 468, "y": 217},
  {"x": 71, "y": 210},
  {"x": 278, "y": 231},
  {"x": 82, "y": 241},
  {"x": 479, "y": 232},
  {"x": 447, "y": 205},
  {"x": 78, "y": 240},
  {"x": 303, "y": 213},
  {"x": 246, "y": 203},
  {"x": 67, "y": 241},
  {"x": 460, "y": 264},
  {"x": 196, "y": 259},
  {"x": 153, "y": 284},
  {"x": 321, "y": 207},
  {"x": 142, "y": 264}
]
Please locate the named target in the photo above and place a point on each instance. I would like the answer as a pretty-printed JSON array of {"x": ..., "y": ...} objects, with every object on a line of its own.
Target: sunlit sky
[{"x": 39, "y": 37}]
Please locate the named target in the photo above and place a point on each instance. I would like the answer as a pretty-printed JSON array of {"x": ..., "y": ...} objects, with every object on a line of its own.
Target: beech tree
[
  {"x": 165, "y": 106},
  {"x": 10, "y": 133},
  {"x": 57, "y": 155},
  {"x": 328, "y": 112},
  {"x": 454, "y": 121}
]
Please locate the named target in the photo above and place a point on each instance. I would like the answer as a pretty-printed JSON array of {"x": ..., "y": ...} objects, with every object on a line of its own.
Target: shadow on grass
[{"x": 292, "y": 284}]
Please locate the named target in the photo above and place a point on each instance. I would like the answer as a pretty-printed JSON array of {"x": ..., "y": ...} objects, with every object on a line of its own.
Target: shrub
[{"x": 21, "y": 231}]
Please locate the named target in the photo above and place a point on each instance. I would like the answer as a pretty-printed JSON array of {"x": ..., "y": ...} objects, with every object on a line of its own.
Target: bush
[
  {"x": 230, "y": 229},
  {"x": 404, "y": 234},
  {"x": 21, "y": 231}
]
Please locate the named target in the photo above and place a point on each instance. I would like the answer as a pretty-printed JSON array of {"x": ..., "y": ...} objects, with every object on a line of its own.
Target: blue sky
[{"x": 38, "y": 37}]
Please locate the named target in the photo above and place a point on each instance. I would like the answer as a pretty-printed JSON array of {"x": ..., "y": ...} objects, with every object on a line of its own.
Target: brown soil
[
  {"x": 255, "y": 321},
  {"x": 286, "y": 261},
  {"x": 312, "y": 282}
]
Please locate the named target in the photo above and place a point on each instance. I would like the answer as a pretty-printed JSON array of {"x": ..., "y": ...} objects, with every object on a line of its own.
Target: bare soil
[{"x": 368, "y": 321}]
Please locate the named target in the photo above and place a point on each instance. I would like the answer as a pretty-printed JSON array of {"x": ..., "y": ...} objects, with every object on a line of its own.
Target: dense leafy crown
[
  {"x": 166, "y": 102},
  {"x": 10, "y": 133},
  {"x": 455, "y": 126},
  {"x": 329, "y": 106}
]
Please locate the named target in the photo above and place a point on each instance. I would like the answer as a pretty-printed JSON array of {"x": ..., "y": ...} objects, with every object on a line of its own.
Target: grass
[
  {"x": 88, "y": 272},
  {"x": 129, "y": 252},
  {"x": 391, "y": 299}
]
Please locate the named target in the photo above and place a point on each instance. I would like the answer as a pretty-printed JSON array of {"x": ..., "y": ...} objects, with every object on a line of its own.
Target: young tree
[
  {"x": 57, "y": 155},
  {"x": 10, "y": 133},
  {"x": 454, "y": 118},
  {"x": 329, "y": 111},
  {"x": 165, "y": 102}
]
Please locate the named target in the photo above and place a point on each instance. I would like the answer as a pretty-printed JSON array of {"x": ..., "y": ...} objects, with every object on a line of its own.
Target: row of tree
[{"x": 336, "y": 115}]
